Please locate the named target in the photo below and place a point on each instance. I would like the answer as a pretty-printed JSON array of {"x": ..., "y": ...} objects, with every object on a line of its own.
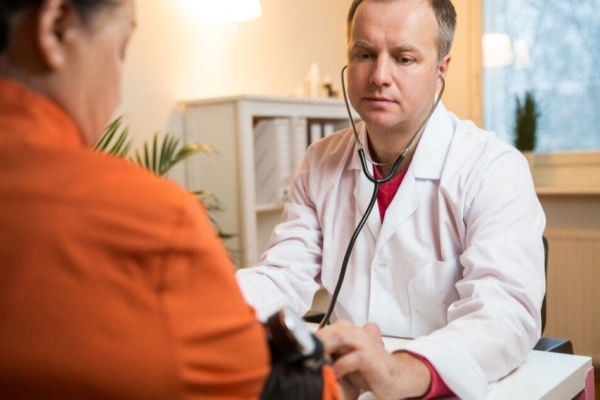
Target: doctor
[{"x": 452, "y": 254}]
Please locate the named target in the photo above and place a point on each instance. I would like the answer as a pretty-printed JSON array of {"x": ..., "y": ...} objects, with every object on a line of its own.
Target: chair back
[{"x": 545, "y": 241}]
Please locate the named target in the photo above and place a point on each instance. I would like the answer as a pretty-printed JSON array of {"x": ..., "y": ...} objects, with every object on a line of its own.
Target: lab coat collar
[
  {"x": 362, "y": 135},
  {"x": 363, "y": 190},
  {"x": 430, "y": 155},
  {"x": 431, "y": 151},
  {"x": 427, "y": 163}
]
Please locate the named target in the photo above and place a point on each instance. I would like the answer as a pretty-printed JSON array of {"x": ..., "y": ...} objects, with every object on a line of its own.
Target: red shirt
[{"x": 386, "y": 194}]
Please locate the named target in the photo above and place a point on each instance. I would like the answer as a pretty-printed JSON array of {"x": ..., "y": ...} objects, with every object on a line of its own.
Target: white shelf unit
[{"x": 227, "y": 124}]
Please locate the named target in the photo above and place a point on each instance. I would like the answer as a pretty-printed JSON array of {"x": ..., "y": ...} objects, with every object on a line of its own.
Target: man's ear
[
  {"x": 443, "y": 67},
  {"x": 57, "y": 20}
]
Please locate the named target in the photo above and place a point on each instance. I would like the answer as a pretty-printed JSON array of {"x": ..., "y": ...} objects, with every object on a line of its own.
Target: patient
[{"x": 112, "y": 283}]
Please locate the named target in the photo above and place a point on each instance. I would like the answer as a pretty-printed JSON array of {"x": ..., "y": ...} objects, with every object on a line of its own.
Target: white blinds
[{"x": 556, "y": 54}]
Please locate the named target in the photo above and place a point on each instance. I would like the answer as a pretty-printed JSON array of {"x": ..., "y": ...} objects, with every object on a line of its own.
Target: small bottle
[{"x": 327, "y": 88}]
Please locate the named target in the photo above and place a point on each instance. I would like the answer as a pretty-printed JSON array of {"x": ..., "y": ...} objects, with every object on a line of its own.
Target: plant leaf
[
  {"x": 121, "y": 146},
  {"x": 164, "y": 148},
  {"x": 109, "y": 132},
  {"x": 189, "y": 149},
  {"x": 147, "y": 163}
]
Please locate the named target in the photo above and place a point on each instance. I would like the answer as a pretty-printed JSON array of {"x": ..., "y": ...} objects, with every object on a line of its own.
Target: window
[{"x": 552, "y": 48}]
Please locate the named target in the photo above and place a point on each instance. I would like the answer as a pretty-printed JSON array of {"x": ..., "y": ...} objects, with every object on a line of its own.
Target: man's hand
[
  {"x": 361, "y": 361},
  {"x": 348, "y": 389}
]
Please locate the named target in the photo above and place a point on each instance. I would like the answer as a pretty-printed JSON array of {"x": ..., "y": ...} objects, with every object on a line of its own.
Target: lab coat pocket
[{"x": 430, "y": 293}]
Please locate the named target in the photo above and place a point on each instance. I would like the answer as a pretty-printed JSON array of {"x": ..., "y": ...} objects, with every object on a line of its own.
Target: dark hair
[
  {"x": 8, "y": 8},
  {"x": 445, "y": 15}
]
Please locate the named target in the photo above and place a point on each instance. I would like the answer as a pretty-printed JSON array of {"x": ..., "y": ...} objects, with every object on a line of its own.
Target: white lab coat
[{"x": 457, "y": 264}]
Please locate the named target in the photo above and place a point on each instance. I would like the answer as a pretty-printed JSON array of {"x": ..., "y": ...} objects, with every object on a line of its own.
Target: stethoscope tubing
[{"x": 340, "y": 281}]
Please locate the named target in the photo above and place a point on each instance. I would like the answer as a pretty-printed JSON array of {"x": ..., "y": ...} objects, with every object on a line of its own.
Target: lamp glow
[
  {"x": 224, "y": 10},
  {"x": 522, "y": 58},
  {"x": 497, "y": 50}
]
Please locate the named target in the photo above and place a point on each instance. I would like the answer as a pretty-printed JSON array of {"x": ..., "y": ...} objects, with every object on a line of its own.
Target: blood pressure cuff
[{"x": 293, "y": 380}]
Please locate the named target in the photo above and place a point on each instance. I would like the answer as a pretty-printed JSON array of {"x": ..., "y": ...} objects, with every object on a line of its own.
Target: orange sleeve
[
  {"x": 221, "y": 348},
  {"x": 331, "y": 390}
]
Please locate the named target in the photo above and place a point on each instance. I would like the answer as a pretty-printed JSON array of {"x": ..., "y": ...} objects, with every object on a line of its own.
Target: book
[
  {"x": 298, "y": 142},
  {"x": 316, "y": 131},
  {"x": 272, "y": 161},
  {"x": 328, "y": 129}
]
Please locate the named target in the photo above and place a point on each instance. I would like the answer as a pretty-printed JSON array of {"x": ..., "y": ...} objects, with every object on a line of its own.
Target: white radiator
[{"x": 573, "y": 293}]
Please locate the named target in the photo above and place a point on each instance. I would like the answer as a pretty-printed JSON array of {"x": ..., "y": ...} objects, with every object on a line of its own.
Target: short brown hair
[{"x": 445, "y": 15}]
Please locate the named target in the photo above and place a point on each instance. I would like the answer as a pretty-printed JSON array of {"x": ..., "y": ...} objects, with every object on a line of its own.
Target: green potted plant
[
  {"x": 159, "y": 155},
  {"x": 526, "y": 122}
]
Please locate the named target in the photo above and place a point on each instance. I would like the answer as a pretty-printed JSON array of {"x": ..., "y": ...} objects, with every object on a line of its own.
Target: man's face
[
  {"x": 96, "y": 64},
  {"x": 393, "y": 64}
]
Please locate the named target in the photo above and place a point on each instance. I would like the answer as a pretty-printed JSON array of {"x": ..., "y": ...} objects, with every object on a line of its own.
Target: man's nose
[{"x": 380, "y": 76}]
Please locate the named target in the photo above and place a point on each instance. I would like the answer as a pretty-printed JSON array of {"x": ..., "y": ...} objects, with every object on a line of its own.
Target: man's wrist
[{"x": 413, "y": 374}]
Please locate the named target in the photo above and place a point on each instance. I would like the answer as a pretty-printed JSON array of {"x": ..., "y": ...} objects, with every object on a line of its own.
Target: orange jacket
[{"x": 113, "y": 285}]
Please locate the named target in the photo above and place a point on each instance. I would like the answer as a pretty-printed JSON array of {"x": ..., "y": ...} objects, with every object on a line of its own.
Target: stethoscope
[{"x": 376, "y": 184}]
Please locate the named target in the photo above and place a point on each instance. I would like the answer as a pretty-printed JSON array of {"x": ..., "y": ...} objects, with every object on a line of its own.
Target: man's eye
[
  {"x": 404, "y": 60},
  {"x": 363, "y": 56}
]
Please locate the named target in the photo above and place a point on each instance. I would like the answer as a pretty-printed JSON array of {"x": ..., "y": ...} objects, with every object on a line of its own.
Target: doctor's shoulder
[
  {"x": 475, "y": 152},
  {"x": 468, "y": 138}
]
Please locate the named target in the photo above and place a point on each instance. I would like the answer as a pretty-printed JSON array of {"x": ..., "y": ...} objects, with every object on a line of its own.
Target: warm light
[
  {"x": 521, "y": 54},
  {"x": 224, "y": 10},
  {"x": 497, "y": 50}
]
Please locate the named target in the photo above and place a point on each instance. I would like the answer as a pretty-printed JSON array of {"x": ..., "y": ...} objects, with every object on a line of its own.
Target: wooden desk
[{"x": 543, "y": 376}]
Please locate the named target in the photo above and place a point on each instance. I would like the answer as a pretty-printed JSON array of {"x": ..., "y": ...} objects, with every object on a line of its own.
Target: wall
[
  {"x": 463, "y": 83},
  {"x": 175, "y": 56}
]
